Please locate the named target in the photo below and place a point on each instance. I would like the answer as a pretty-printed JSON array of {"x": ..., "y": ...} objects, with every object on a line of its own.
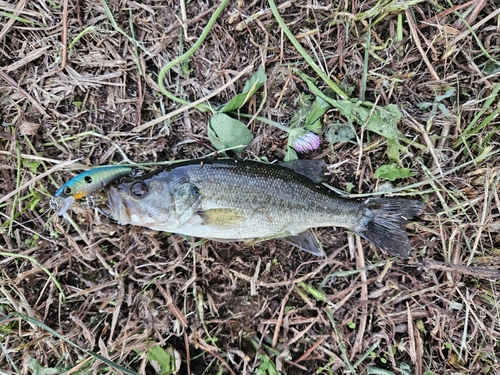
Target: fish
[
  {"x": 85, "y": 184},
  {"x": 245, "y": 200}
]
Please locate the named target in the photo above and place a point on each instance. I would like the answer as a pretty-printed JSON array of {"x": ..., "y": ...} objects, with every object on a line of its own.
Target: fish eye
[
  {"x": 67, "y": 190},
  {"x": 139, "y": 189}
]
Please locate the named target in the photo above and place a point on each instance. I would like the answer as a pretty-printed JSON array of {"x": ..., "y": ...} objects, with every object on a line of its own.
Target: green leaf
[
  {"x": 314, "y": 113},
  {"x": 444, "y": 110},
  {"x": 308, "y": 113},
  {"x": 291, "y": 154},
  {"x": 34, "y": 200},
  {"x": 251, "y": 87},
  {"x": 307, "y": 117},
  {"x": 258, "y": 77},
  {"x": 314, "y": 89},
  {"x": 384, "y": 122},
  {"x": 266, "y": 366},
  {"x": 19, "y": 19},
  {"x": 38, "y": 369},
  {"x": 447, "y": 345},
  {"x": 315, "y": 127},
  {"x": 340, "y": 133},
  {"x": 449, "y": 93},
  {"x": 424, "y": 105},
  {"x": 302, "y": 103},
  {"x": 380, "y": 120},
  {"x": 225, "y": 132},
  {"x": 392, "y": 172},
  {"x": 165, "y": 362},
  {"x": 406, "y": 369},
  {"x": 32, "y": 165},
  {"x": 315, "y": 293}
]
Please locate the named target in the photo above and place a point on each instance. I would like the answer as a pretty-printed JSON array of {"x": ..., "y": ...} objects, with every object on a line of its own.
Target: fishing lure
[
  {"x": 92, "y": 180},
  {"x": 88, "y": 182}
]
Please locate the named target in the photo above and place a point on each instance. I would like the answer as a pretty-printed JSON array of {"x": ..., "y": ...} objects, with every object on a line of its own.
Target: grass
[{"x": 86, "y": 295}]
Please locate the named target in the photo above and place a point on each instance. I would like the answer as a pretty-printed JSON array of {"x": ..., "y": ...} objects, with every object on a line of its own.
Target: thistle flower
[{"x": 306, "y": 141}]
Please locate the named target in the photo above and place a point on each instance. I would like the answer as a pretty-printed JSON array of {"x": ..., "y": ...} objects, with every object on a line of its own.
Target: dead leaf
[{"x": 28, "y": 128}]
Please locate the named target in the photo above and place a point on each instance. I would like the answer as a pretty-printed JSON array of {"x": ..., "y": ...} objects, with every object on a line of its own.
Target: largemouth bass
[{"x": 227, "y": 199}]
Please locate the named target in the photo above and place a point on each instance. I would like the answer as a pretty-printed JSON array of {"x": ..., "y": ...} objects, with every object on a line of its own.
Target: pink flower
[{"x": 306, "y": 142}]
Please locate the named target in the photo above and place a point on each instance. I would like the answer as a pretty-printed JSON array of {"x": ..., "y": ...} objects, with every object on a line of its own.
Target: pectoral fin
[
  {"x": 222, "y": 217},
  {"x": 307, "y": 242}
]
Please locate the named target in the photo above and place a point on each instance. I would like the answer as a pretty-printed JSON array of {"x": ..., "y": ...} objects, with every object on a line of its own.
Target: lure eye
[
  {"x": 67, "y": 190},
  {"x": 139, "y": 189}
]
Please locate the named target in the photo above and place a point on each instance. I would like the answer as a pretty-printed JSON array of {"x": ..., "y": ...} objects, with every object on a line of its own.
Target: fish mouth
[{"x": 119, "y": 208}]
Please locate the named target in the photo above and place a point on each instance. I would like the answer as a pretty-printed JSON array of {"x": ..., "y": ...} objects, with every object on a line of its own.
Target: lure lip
[{"x": 61, "y": 205}]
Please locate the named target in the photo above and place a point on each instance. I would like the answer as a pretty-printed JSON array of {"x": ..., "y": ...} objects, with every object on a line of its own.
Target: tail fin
[{"x": 385, "y": 222}]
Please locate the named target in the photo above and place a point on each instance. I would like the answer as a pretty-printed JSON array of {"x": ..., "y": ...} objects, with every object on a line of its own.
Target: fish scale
[
  {"x": 232, "y": 199},
  {"x": 274, "y": 199}
]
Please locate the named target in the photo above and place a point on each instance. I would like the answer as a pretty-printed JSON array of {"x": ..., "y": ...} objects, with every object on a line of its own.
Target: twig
[
  {"x": 420, "y": 128},
  {"x": 23, "y": 92},
  {"x": 479, "y": 272},
  {"x": 360, "y": 264},
  {"x": 446, "y": 12},
  {"x": 19, "y": 7},
  {"x": 255, "y": 278},
  {"x": 188, "y": 354},
  {"x": 64, "y": 41},
  {"x": 280, "y": 319},
  {"x": 411, "y": 336},
  {"x": 64, "y": 37},
  {"x": 414, "y": 34},
  {"x": 475, "y": 27},
  {"x": 310, "y": 350}
]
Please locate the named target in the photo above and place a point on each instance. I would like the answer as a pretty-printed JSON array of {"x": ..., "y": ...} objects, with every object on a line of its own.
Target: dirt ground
[{"x": 84, "y": 295}]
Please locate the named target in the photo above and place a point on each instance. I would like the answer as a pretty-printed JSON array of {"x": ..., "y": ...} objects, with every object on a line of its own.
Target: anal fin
[{"x": 307, "y": 242}]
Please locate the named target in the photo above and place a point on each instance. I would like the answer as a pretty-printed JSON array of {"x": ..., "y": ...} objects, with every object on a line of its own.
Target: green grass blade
[
  {"x": 342, "y": 347},
  {"x": 472, "y": 128},
  {"x": 187, "y": 55},
  {"x": 62, "y": 296},
  {"x": 304, "y": 54},
  {"x": 61, "y": 337}
]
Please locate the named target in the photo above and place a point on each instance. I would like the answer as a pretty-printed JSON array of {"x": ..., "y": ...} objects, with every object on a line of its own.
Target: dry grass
[{"x": 77, "y": 85}]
